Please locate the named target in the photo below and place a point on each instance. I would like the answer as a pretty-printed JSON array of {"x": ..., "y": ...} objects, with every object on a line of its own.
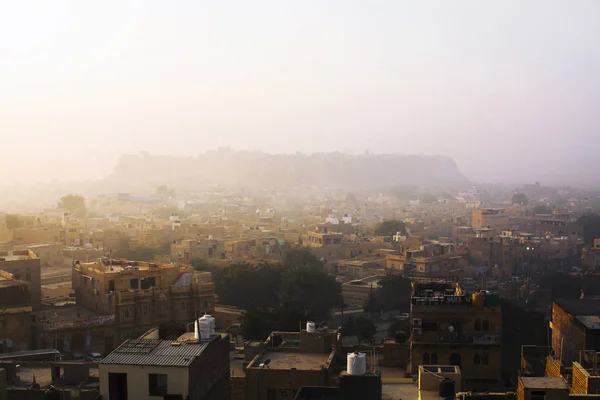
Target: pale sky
[{"x": 510, "y": 88}]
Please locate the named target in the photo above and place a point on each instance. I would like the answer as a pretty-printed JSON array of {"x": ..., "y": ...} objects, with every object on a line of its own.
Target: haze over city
[
  {"x": 508, "y": 90},
  {"x": 299, "y": 200}
]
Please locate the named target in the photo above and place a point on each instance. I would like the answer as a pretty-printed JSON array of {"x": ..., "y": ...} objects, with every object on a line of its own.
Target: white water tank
[
  {"x": 202, "y": 329},
  {"x": 357, "y": 363},
  {"x": 311, "y": 327},
  {"x": 211, "y": 323}
]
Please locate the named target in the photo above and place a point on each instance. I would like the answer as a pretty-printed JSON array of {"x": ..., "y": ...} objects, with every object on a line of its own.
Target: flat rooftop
[
  {"x": 293, "y": 359},
  {"x": 544, "y": 383}
]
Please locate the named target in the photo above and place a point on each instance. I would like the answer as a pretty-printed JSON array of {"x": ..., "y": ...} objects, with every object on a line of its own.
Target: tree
[
  {"x": 244, "y": 285},
  {"x": 397, "y": 330},
  {"x": 310, "y": 289},
  {"x": 520, "y": 198},
  {"x": 365, "y": 330},
  {"x": 75, "y": 204},
  {"x": 349, "y": 327},
  {"x": 301, "y": 257},
  {"x": 279, "y": 296},
  {"x": 257, "y": 323},
  {"x": 390, "y": 227},
  {"x": 393, "y": 293}
]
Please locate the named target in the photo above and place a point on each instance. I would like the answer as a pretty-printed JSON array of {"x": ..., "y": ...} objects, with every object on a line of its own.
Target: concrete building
[
  {"x": 286, "y": 361},
  {"x": 186, "y": 251},
  {"x": 50, "y": 254},
  {"x": 153, "y": 368},
  {"x": 322, "y": 239},
  {"x": 575, "y": 327},
  {"x": 357, "y": 269},
  {"x": 495, "y": 218},
  {"x": 15, "y": 314},
  {"x": 24, "y": 265},
  {"x": 140, "y": 295},
  {"x": 531, "y": 388},
  {"x": 432, "y": 259},
  {"x": 449, "y": 326}
]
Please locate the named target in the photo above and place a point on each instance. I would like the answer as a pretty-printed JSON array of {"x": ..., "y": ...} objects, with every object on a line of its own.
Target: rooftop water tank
[
  {"x": 203, "y": 328},
  {"x": 212, "y": 323},
  {"x": 447, "y": 388},
  {"x": 356, "y": 363},
  {"x": 311, "y": 327}
]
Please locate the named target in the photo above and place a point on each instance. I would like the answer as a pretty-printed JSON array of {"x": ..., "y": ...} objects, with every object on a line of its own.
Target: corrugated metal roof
[{"x": 155, "y": 352}]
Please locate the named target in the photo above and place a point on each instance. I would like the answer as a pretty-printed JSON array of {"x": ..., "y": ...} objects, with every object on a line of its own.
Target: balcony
[{"x": 456, "y": 338}]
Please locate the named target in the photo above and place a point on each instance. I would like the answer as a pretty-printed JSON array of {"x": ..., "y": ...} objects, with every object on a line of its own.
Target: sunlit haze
[{"x": 508, "y": 89}]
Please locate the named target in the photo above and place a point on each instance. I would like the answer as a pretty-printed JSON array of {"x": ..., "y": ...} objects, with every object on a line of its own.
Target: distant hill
[{"x": 228, "y": 167}]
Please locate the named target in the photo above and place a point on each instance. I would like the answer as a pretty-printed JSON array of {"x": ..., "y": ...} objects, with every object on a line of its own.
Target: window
[
  {"x": 183, "y": 305},
  {"x": 426, "y": 359},
  {"x": 486, "y": 326},
  {"x": 157, "y": 384},
  {"x": 485, "y": 360},
  {"x": 176, "y": 306},
  {"x": 145, "y": 310},
  {"x": 476, "y": 359},
  {"x": 111, "y": 286},
  {"x": 133, "y": 283},
  {"x": 429, "y": 326},
  {"x": 477, "y": 325},
  {"x": 434, "y": 358}
]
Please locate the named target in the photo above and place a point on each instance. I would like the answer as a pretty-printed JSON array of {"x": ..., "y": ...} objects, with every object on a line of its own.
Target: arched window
[
  {"x": 426, "y": 358},
  {"x": 485, "y": 360},
  {"x": 477, "y": 325},
  {"x": 455, "y": 359},
  {"x": 476, "y": 359},
  {"x": 434, "y": 358},
  {"x": 486, "y": 326}
]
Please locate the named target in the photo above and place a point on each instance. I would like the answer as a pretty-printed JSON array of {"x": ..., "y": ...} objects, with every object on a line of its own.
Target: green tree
[
  {"x": 365, "y": 330},
  {"x": 349, "y": 327},
  {"x": 301, "y": 257},
  {"x": 520, "y": 198},
  {"x": 390, "y": 227},
  {"x": 257, "y": 323},
  {"x": 393, "y": 293},
  {"x": 73, "y": 203},
  {"x": 279, "y": 296},
  {"x": 245, "y": 285},
  {"x": 397, "y": 330},
  {"x": 310, "y": 289}
]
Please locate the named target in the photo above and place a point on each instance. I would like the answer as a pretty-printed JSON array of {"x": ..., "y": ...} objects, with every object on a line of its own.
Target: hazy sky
[{"x": 510, "y": 89}]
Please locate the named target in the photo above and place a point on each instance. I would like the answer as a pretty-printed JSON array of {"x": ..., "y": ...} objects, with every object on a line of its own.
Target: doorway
[{"x": 117, "y": 386}]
